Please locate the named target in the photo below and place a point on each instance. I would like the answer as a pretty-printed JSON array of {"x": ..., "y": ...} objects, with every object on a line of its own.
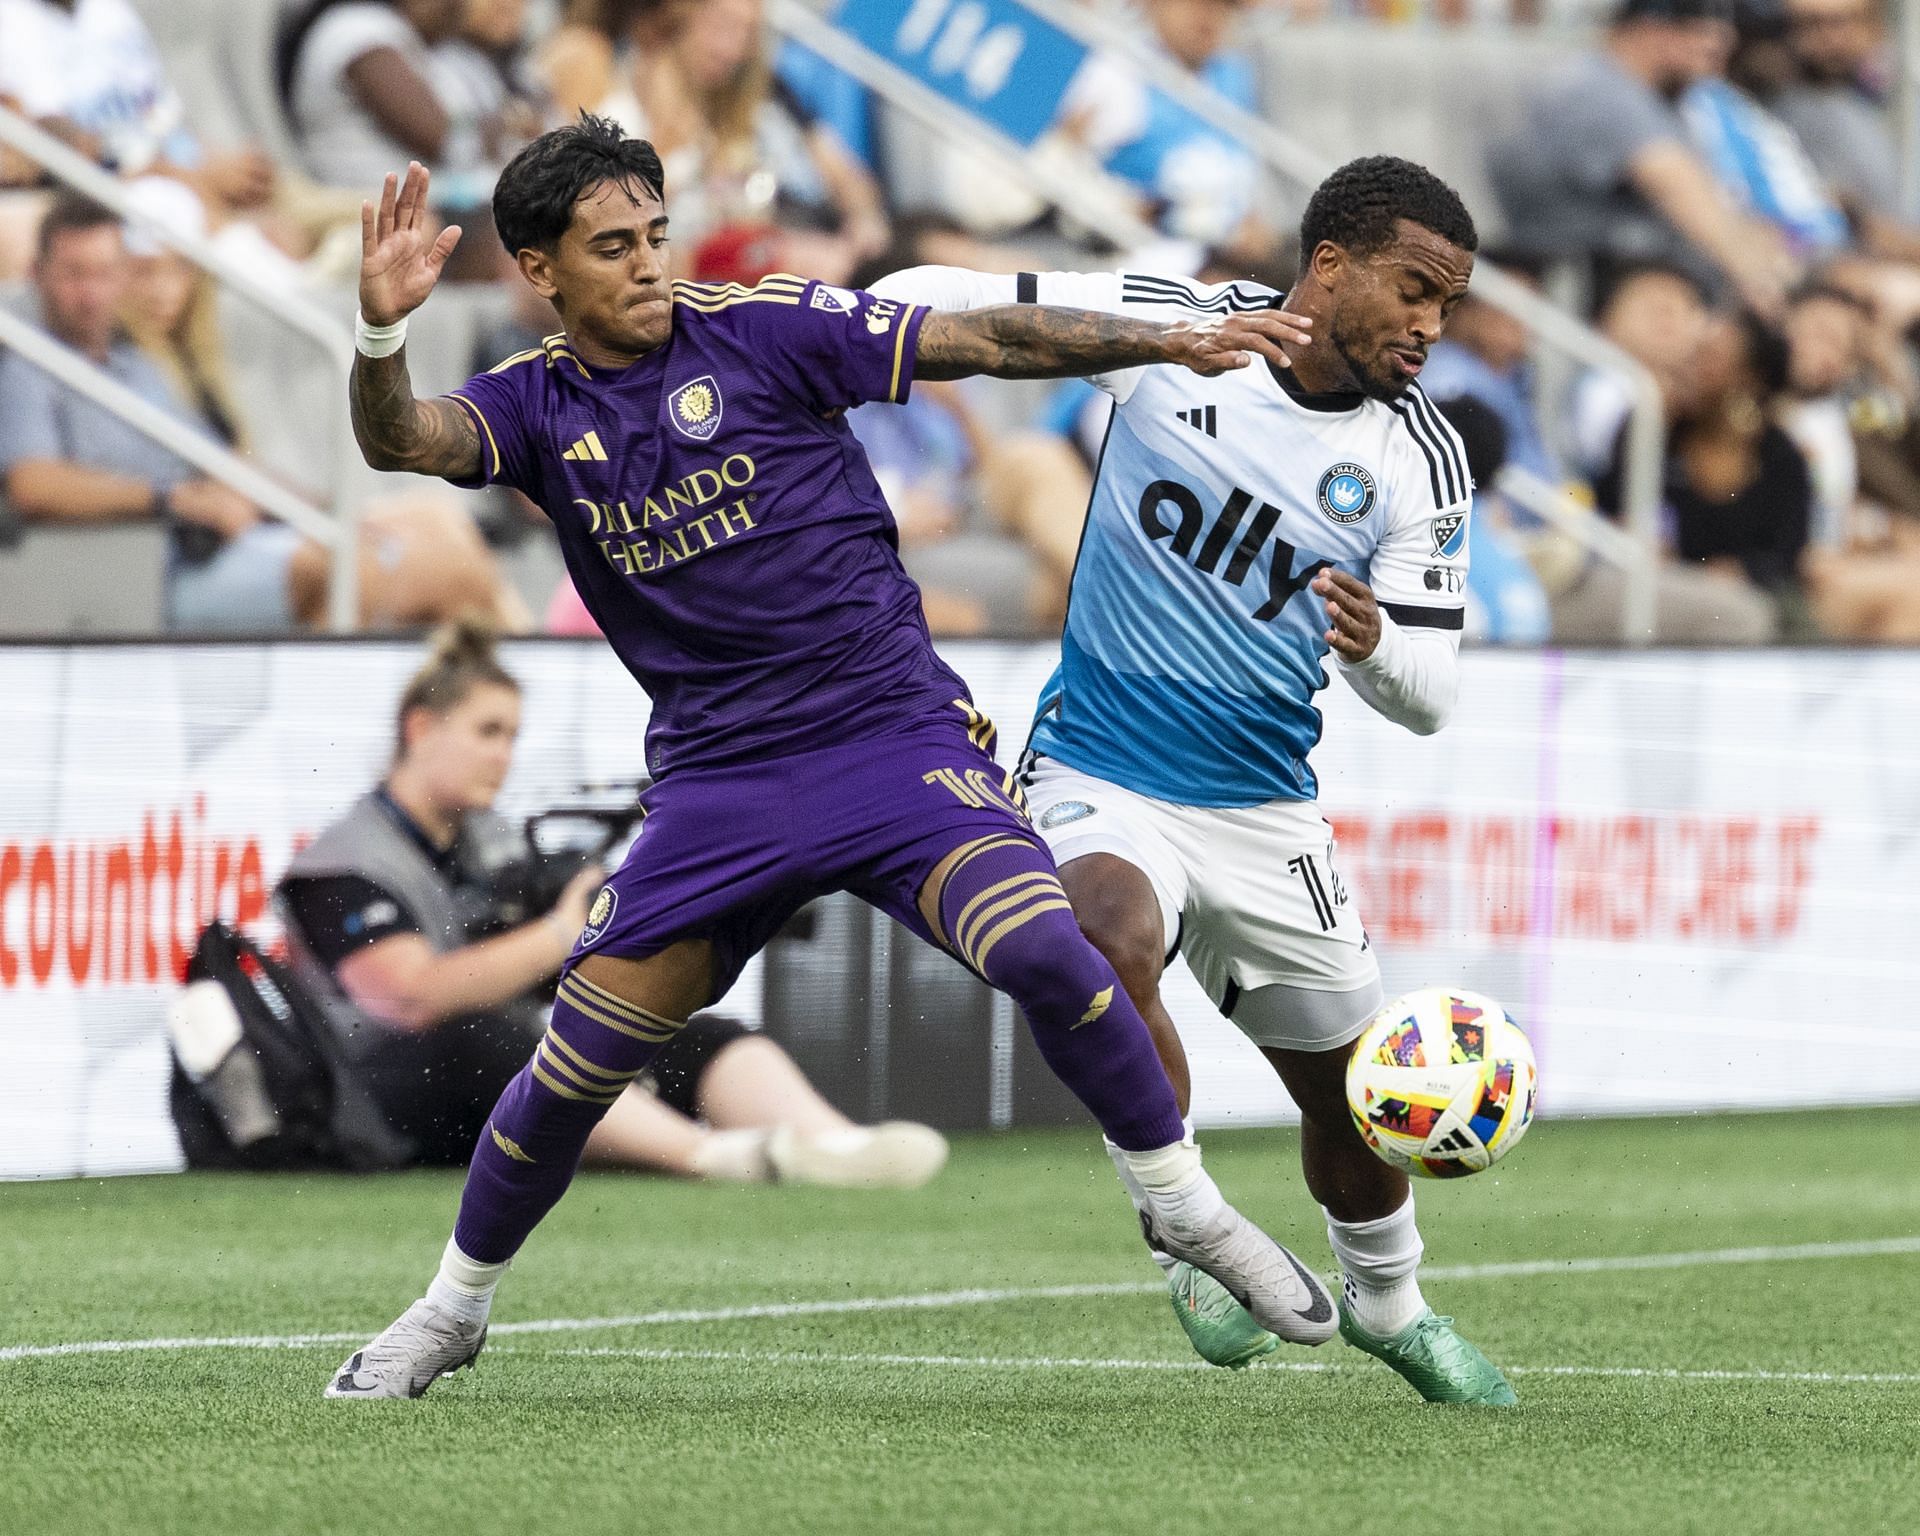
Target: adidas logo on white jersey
[{"x": 1201, "y": 416}]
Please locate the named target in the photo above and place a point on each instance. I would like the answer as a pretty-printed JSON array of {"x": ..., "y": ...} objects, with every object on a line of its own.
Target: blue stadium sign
[{"x": 992, "y": 57}]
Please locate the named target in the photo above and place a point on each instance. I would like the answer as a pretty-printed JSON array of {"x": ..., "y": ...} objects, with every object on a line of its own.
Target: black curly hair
[
  {"x": 1359, "y": 204},
  {"x": 533, "y": 200}
]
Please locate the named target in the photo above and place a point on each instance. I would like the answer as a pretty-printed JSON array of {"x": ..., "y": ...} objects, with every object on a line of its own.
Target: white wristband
[{"x": 378, "y": 340}]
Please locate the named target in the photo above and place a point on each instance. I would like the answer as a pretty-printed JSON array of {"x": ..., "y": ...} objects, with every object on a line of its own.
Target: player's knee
[
  {"x": 1048, "y": 967},
  {"x": 1131, "y": 942},
  {"x": 1120, "y": 915}
]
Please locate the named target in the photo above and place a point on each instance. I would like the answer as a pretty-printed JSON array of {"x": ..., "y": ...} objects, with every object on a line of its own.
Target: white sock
[
  {"x": 464, "y": 1287},
  {"x": 738, "y": 1157},
  {"x": 1180, "y": 1195},
  {"x": 1377, "y": 1264},
  {"x": 1137, "y": 1193},
  {"x": 1138, "y": 1196}
]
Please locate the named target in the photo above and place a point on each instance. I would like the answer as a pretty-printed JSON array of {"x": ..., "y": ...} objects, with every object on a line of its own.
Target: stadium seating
[{"x": 108, "y": 579}]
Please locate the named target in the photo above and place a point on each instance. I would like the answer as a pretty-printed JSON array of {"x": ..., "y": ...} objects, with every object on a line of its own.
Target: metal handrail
[
  {"x": 339, "y": 532},
  {"x": 1567, "y": 514},
  {"x": 1906, "y": 108},
  {"x": 1101, "y": 203},
  {"x": 214, "y": 459},
  {"x": 1305, "y": 168}
]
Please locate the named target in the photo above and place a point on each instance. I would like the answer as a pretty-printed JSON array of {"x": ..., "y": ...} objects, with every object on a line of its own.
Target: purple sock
[
  {"x": 1003, "y": 911},
  {"x": 595, "y": 1045}
]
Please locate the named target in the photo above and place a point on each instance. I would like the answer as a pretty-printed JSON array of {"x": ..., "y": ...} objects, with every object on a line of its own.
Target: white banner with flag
[{"x": 1693, "y": 876}]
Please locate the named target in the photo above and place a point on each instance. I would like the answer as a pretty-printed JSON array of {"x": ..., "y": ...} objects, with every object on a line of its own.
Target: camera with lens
[{"x": 518, "y": 873}]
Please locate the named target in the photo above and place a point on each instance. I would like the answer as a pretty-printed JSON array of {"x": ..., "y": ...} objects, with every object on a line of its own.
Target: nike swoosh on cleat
[{"x": 1322, "y": 1308}]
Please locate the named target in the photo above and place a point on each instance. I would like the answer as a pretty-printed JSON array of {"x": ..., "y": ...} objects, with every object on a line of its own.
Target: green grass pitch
[{"x": 1777, "y": 1393}]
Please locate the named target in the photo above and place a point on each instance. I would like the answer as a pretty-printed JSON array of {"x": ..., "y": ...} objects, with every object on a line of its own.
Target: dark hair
[
  {"x": 67, "y": 213},
  {"x": 1482, "y": 433},
  {"x": 1358, "y": 206},
  {"x": 1816, "y": 288},
  {"x": 1671, "y": 12},
  {"x": 533, "y": 200},
  {"x": 906, "y": 245},
  {"x": 1611, "y": 277},
  {"x": 1766, "y": 352},
  {"x": 462, "y": 659}
]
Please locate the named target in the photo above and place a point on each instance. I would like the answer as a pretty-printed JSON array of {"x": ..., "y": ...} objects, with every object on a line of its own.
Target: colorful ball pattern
[{"x": 1442, "y": 1083}]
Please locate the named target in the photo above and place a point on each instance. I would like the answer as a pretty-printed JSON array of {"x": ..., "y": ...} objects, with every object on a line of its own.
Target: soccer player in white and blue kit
[{"x": 1240, "y": 528}]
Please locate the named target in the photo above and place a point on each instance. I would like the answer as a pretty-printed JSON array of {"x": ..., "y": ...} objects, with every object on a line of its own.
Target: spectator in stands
[
  {"x": 362, "y": 92},
  {"x": 1764, "y": 167},
  {"x": 1506, "y": 605},
  {"x": 89, "y": 72},
  {"x": 171, "y": 309},
  {"x": 65, "y": 460},
  {"x": 1833, "y": 109},
  {"x": 1826, "y": 333},
  {"x": 1601, "y": 165},
  {"x": 694, "y": 77},
  {"x": 485, "y": 74},
  {"x": 1660, "y": 316},
  {"x": 1739, "y": 499},
  {"x": 1196, "y": 183},
  {"x": 1484, "y": 355},
  {"x": 1755, "y": 156},
  {"x": 1862, "y": 567},
  {"x": 409, "y": 910},
  {"x": 581, "y": 61}
]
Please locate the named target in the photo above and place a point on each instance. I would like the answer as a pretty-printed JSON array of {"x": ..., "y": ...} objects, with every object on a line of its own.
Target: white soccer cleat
[
  {"x": 410, "y": 1356},
  {"x": 897, "y": 1154},
  {"x": 1284, "y": 1296}
]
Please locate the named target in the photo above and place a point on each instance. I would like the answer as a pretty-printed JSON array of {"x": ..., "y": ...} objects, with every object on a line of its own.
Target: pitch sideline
[{"x": 978, "y": 1296}]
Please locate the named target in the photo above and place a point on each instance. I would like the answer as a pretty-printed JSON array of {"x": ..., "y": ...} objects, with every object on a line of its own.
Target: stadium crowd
[{"x": 1714, "y": 183}]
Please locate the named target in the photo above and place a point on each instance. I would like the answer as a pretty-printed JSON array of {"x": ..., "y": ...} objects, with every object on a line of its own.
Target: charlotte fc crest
[
  {"x": 1346, "y": 493},
  {"x": 695, "y": 408}
]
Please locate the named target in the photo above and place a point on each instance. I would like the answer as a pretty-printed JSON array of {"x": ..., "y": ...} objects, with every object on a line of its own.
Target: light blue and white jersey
[{"x": 1193, "y": 647}]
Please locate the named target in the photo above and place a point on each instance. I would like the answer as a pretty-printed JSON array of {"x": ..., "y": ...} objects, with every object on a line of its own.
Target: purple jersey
[{"x": 720, "y": 521}]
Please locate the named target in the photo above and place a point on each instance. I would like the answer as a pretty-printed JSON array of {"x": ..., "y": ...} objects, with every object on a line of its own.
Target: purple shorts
[{"x": 730, "y": 854}]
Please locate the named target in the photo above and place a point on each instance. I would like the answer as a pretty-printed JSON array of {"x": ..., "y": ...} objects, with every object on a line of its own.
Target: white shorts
[{"x": 1248, "y": 894}]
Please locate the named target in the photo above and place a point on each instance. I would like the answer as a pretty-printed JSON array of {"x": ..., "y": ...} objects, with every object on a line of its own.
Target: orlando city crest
[
  {"x": 601, "y": 913},
  {"x": 695, "y": 407},
  {"x": 1346, "y": 493}
]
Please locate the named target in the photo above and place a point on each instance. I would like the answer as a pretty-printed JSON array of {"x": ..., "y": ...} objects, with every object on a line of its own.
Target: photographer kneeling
[{"x": 387, "y": 908}]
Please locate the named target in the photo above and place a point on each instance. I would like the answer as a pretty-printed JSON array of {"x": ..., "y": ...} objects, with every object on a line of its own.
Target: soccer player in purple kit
[{"x": 722, "y": 526}]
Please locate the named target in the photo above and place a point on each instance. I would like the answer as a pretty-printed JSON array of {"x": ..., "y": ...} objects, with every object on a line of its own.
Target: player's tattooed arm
[
  {"x": 401, "y": 255},
  {"x": 1034, "y": 341},
  {"x": 396, "y": 431}
]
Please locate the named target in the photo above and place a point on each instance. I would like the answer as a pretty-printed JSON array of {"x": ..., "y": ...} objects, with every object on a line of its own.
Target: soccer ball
[{"x": 1441, "y": 1083}]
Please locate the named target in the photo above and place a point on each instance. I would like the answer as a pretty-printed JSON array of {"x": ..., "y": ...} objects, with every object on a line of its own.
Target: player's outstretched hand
[
  {"x": 400, "y": 257},
  {"x": 1219, "y": 346},
  {"x": 1353, "y": 617}
]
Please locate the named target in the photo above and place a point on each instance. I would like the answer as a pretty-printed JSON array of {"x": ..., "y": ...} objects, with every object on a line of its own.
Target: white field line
[
  {"x": 1787, "y": 1253},
  {"x": 1072, "y": 1363}
]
